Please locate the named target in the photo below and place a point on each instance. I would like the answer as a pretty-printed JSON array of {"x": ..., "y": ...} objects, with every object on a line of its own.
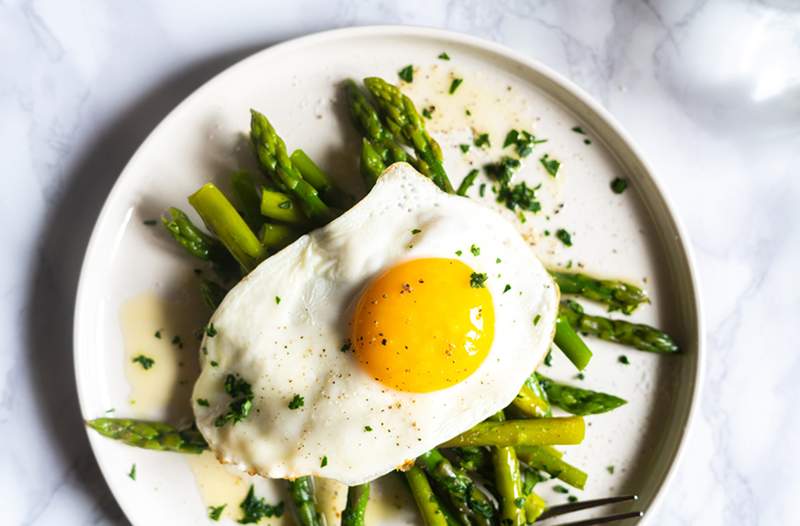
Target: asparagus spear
[
  {"x": 274, "y": 237},
  {"x": 198, "y": 243},
  {"x": 576, "y": 400},
  {"x": 637, "y": 335},
  {"x": 274, "y": 160},
  {"x": 301, "y": 490},
  {"x": 547, "y": 460},
  {"x": 357, "y": 499},
  {"x": 281, "y": 207},
  {"x": 402, "y": 119},
  {"x": 508, "y": 481},
  {"x": 560, "y": 430},
  {"x": 468, "y": 181},
  {"x": 573, "y": 347},
  {"x": 534, "y": 506},
  {"x": 221, "y": 217},
  {"x": 530, "y": 403},
  {"x": 618, "y": 295},
  {"x": 247, "y": 198},
  {"x": 371, "y": 165},
  {"x": 472, "y": 507},
  {"x": 150, "y": 435},
  {"x": 431, "y": 510},
  {"x": 317, "y": 178},
  {"x": 368, "y": 121}
]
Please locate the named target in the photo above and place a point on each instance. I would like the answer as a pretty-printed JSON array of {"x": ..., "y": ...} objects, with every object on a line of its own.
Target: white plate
[{"x": 634, "y": 235}]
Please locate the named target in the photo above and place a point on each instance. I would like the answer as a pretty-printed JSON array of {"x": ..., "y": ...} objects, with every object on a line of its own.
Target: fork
[{"x": 562, "y": 509}]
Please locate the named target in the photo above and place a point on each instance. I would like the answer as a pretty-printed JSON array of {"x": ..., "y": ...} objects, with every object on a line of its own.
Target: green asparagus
[
  {"x": 529, "y": 401},
  {"x": 402, "y": 119},
  {"x": 576, "y": 400},
  {"x": 547, "y": 459},
  {"x": 508, "y": 482},
  {"x": 355, "y": 511},
  {"x": 317, "y": 178},
  {"x": 274, "y": 160},
  {"x": 573, "y": 347},
  {"x": 534, "y": 506},
  {"x": 157, "y": 436},
  {"x": 431, "y": 510},
  {"x": 198, "y": 243},
  {"x": 247, "y": 198},
  {"x": 468, "y": 181},
  {"x": 637, "y": 335},
  {"x": 301, "y": 490},
  {"x": 617, "y": 295},
  {"x": 371, "y": 165},
  {"x": 222, "y": 219},
  {"x": 275, "y": 236},
  {"x": 535, "y": 432},
  {"x": 281, "y": 207}
]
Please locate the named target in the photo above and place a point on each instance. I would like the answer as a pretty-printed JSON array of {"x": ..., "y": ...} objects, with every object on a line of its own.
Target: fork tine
[
  {"x": 576, "y": 506},
  {"x": 603, "y": 520}
]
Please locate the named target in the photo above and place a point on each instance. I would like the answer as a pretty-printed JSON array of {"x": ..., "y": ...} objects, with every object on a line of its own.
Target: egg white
[{"x": 292, "y": 345}]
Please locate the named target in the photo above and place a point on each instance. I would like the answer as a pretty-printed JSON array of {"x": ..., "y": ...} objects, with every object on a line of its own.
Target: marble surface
[{"x": 710, "y": 90}]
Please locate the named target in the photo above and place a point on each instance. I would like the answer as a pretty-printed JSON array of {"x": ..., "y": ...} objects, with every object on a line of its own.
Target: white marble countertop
[{"x": 710, "y": 90}]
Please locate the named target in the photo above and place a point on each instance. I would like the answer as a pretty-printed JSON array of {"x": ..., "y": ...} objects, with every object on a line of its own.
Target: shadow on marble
[{"x": 50, "y": 305}]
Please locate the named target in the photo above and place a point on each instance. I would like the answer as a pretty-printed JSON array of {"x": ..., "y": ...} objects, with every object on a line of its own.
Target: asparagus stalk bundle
[
  {"x": 157, "y": 436},
  {"x": 508, "y": 481},
  {"x": 576, "y": 400},
  {"x": 354, "y": 513},
  {"x": 617, "y": 295},
  {"x": 301, "y": 490},
  {"x": 541, "y": 431}
]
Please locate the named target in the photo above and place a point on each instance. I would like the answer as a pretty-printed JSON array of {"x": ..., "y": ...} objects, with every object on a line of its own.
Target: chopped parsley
[
  {"x": 202, "y": 402},
  {"x": 623, "y": 360},
  {"x": 415, "y": 231},
  {"x": 481, "y": 140},
  {"x": 520, "y": 196},
  {"x": 475, "y": 249},
  {"x": 578, "y": 129},
  {"x": 297, "y": 402},
  {"x": 572, "y": 498},
  {"x": 464, "y": 148},
  {"x": 177, "y": 341},
  {"x": 519, "y": 502},
  {"x": 144, "y": 361},
  {"x": 346, "y": 346},
  {"x": 277, "y": 300},
  {"x": 407, "y": 73},
  {"x": 211, "y": 331},
  {"x": 619, "y": 185},
  {"x": 132, "y": 472},
  {"x": 482, "y": 189},
  {"x": 467, "y": 112},
  {"x": 215, "y": 512},
  {"x": 548, "y": 359},
  {"x": 580, "y": 376},
  {"x": 558, "y": 488},
  {"x": 241, "y": 405},
  {"x": 610, "y": 469},
  {"x": 324, "y": 461},
  {"x": 214, "y": 363},
  {"x": 498, "y": 260},
  {"x": 158, "y": 334},
  {"x": 564, "y": 237},
  {"x": 587, "y": 141},
  {"x": 367, "y": 428},
  {"x": 467, "y": 182},
  {"x": 551, "y": 165},
  {"x": 477, "y": 280},
  {"x": 150, "y": 222},
  {"x": 428, "y": 112},
  {"x": 522, "y": 141},
  {"x": 455, "y": 84},
  {"x": 443, "y": 56},
  {"x": 536, "y": 319},
  {"x": 254, "y": 508},
  {"x": 503, "y": 170},
  {"x": 506, "y": 288},
  {"x": 458, "y": 252}
]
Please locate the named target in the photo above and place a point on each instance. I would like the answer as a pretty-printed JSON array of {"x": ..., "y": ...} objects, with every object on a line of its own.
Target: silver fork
[{"x": 562, "y": 509}]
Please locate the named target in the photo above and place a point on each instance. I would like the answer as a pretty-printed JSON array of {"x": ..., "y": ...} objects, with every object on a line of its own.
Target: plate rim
[{"x": 385, "y": 31}]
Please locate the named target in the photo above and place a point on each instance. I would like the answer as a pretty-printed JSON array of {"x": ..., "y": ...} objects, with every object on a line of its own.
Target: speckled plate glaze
[{"x": 298, "y": 85}]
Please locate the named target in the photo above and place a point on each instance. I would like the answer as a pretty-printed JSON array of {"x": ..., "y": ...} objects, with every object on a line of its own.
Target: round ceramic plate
[{"x": 138, "y": 290}]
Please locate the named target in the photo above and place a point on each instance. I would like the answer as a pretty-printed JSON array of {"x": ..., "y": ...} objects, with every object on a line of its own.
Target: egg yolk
[{"x": 422, "y": 325}]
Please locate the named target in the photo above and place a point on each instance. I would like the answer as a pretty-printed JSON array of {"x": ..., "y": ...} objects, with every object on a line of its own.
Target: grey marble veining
[{"x": 709, "y": 89}]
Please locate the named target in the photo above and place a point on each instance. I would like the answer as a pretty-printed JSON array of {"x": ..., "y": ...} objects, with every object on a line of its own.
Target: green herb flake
[
  {"x": 324, "y": 461},
  {"x": 427, "y": 112},
  {"x": 242, "y": 404},
  {"x": 536, "y": 319},
  {"x": 572, "y": 498},
  {"x": 415, "y": 231},
  {"x": 211, "y": 331},
  {"x": 407, "y": 73},
  {"x": 503, "y": 170},
  {"x": 519, "y": 502},
  {"x": 506, "y": 288},
  {"x": 297, "y": 402},
  {"x": 475, "y": 249},
  {"x": 458, "y": 252},
  {"x": 277, "y": 300},
  {"x": 623, "y": 360},
  {"x": 587, "y": 141},
  {"x": 109, "y": 411},
  {"x": 202, "y": 402},
  {"x": 551, "y": 165},
  {"x": 578, "y": 129},
  {"x": 346, "y": 346},
  {"x": 212, "y": 363},
  {"x": 467, "y": 112},
  {"x": 150, "y": 222},
  {"x": 144, "y": 361},
  {"x": 464, "y": 148},
  {"x": 254, "y": 508},
  {"x": 522, "y": 141},
  {"x": 580, "y": 376},
  {"x": 520, "y": 197},
  {"x": 158, "y": 334},
  {"x": 443, "y": 56},
  {"x": 368, "y": 429},
  {"x": 215, "y": 512},
  {"x": 482, "y": 189},
  {"x": 610, "y": 469},
  {"x": 564, "y": 237},
  {"x": 455, "y": 84},
  {"x": 132, "y": 472},
  {"x": 481, "y": 140},
  {"x": 467, "y": 182},
  {"x": 477, "y": 280},
  {"x": 619, "y": 185},
  {"x": 548, "y": 359},
  {"x": 558, "y": 488},
  {"x": 177, "y": 341},
  {"x": 498, "y": 260}
]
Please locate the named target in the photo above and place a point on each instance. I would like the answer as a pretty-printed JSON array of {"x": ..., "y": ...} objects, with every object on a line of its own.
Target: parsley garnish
[
  {"x": 144, "y": 361},
  {"x": 297, "y": 402},
  {"x": 610, "y": 470},
  {"x": 519, "y": 501},
  {"x": 455, "y": 84},
  {"x": 176, "y": 340},
  {"x": 215, "y": 512},
  {"x": 522, "y": 141},
  {"x": 213, "y": 363},
  {"x": 475, "y": 249},
  {"x": 578, "y": 129},
  {"x": 572, "y": 498},
  {"x": 503, "y": 170},
  {"x": 536, "y": 319},
  {"x": 132, "y": 472},
  {"x": 458, "y": 252},
  {"x": 254, "y": 509},
  {"x": 211, "y": 331},
  {"x": 202, "y": 401},
  {"x": 150, "y": 222},
  {"x": 416, "y": 231},
  {"x": 551, "y": 165},
  {"x": 443, "y": 56},
  {"x": 158, "y": 334},
  {"x": 580, "y": 376},
  {"x": 619, "y": 185},
  {"x": 428, "y": 112},
  {"x": 346, "y": 346},
  {"x": 519, "y": 196},
  {"x": 548, "y": 359},
  {"x": 623, "y": 360},
  {"x": 558, "y": 488},
  {"x": 481, "y": 140},
  {"x": 482, "y": 189},
  {"x": 242, "y": 394},
  {"x": 464, "y": 148},
  {"x": 407, "y": 73},
  {"x": 564, "y": 237},
  {"x": 477, "y": 280},
  {"x": 324, "y": 461},
  {"x": 367, "y": 428},
  {"x": 507, "y": 288},
  {"x": 277, "y": 300},
  {"x": 467, "y": 182}
]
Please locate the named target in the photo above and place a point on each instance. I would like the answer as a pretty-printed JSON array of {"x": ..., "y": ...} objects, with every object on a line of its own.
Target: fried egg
[{"x": 407, "y": 320}]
